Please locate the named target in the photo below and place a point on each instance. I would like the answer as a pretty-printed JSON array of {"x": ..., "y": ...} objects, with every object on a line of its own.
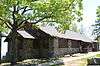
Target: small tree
[
  {"x": 97, "y": 23},
  {"x": 14, "y": 13}
]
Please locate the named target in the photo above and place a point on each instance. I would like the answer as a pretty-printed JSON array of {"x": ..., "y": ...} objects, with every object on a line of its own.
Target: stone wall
[
  {"x": 24, "y": 49},
  {"x": 63, "y": 51},
  {"x": 44, "y": 53}
]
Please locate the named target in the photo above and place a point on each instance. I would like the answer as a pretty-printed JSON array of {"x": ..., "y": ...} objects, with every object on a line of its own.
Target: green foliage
[
  {"x": 63, "y": 12},
  {"x": 98, "y": 55},
  {"x": 97, "y": 23}
]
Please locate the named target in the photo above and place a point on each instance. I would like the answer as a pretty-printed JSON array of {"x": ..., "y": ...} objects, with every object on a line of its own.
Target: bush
[{"x": 94, "y": 61}]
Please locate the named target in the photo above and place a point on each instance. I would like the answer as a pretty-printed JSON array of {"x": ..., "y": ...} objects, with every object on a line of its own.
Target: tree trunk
[{"x": 13, "y": 54}]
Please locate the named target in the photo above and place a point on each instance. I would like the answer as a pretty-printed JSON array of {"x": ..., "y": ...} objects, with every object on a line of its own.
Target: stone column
[
  {"x": 69, "y": 47},
  {"x": 56, "y": 47},
  {"x": 51, "y": 47}
]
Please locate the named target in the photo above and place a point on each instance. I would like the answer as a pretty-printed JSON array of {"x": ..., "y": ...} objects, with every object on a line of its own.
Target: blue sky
[{"x": 89, "y": 16}]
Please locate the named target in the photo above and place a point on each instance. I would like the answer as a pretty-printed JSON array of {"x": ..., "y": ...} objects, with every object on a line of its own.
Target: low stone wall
[
  {"x": 56, "y": 52},
  {"x": 64, "y": 51}
]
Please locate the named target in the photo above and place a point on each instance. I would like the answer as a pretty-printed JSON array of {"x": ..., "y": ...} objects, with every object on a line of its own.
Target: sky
[
  {"x": 89, "y": 16},
  {"x": 3, "y": 47}
]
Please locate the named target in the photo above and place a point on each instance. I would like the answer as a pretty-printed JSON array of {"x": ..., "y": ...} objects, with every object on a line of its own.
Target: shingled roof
[
  {"x": 68, "y": 34},
  {"x": 25, "y": 34},
  {"x": 53, "y": 32}
]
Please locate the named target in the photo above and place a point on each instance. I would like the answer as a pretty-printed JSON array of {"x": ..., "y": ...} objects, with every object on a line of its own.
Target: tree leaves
[
  {"x": 60, "y": 11},
  {"x": 97, "y": 23}
]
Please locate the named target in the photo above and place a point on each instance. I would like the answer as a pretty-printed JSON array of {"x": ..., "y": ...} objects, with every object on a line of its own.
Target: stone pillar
[
  {"x": 69, "y": 47},
  {"x": 56, "y": 47},
  {"x": 69, "y": 43},
  {"x": 27, "y": 48},
  {"x": 51, "y": 47}
]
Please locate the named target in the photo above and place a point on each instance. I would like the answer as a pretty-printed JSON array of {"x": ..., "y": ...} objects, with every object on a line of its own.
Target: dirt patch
[{"x": 81, "y": 62}]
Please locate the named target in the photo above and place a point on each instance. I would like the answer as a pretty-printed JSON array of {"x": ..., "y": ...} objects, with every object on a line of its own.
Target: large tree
[
  {"x": 97, "y": 22},
  {"x": 13, "y": 13}
]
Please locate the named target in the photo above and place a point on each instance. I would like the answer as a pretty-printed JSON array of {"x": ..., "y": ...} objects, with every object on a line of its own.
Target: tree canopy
[{"x": 13, "y": 13}]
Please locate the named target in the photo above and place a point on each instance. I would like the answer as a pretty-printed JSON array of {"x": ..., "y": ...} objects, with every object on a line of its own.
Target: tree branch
[
  {"x": 9, "y": 23},
  {"x": 21, "y": 23},
  {"x": 27, "y": 10},
  {"x": 18, "y": 9},
  {"x": 8, "y": 26},
  {"x": 13, "y": 13},
  {"x": 14, "y": 26},
  {"x": 69, "y": 5},
  {"x": 49, "y": 21},
  {"x": 41, "y": 19},
  {"x": 6, "y": 23},
  {"x": 24, "y": 10}
]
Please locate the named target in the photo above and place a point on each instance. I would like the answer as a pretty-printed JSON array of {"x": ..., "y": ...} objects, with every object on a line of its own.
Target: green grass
[{"x": 98, "y": 55}]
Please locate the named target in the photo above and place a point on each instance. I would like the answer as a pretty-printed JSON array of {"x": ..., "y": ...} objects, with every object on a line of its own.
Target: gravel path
[{"x": 78, "y": 59}]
